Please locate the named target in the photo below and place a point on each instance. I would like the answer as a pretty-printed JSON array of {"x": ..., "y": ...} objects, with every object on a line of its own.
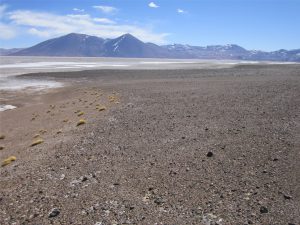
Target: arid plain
[{"x": 174, "y": 146}]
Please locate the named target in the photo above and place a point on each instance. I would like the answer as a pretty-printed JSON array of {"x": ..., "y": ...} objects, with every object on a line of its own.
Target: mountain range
[{"x": 128, "y": 46}]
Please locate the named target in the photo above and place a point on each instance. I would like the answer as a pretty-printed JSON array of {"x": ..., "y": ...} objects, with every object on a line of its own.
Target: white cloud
[
  {"x": 105, "y": 8},
  {"x": 40, "y": 33},
  {"x": 7, "y": 31},
  {"x": 181, "y": 11},
  {"x": 49, "y": 25},
  {"x": 104, "y": 20},
  {"x": 153, "y": 5},
  {"x": 78, "y": 10}
]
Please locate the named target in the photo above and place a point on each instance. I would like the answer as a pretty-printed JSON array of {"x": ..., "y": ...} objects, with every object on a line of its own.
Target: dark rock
[
  {"x": 209, "y": 154},
  {"x": 84, "y": 179},
  {"x": 263, "y": 209},
  {"x": 159, "y": 201},
  {"x": 54, "y": 212},
  {"x": 287, "y": 196}
]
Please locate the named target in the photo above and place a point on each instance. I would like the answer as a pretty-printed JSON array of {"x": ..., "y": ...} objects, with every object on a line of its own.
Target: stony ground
[{"x": 182, "y": 147}]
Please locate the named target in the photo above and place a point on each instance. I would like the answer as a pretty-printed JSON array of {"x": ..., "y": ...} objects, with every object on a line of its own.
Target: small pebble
[
  {"x": 263, "y": 209},
  {"x": 54, "y": 212},
  {"x": 84, "y": 179},
  {"x": 287, "y": 196},
  {"x": 209, "y": 154}
]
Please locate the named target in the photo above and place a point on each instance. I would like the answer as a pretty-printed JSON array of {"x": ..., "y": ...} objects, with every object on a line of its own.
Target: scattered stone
[
  {"x": 2, "y": 136},
  {"x": 263, "y": 209},
  {"x": 54, "y": 212},
  {"x": 287, "y": 196},
  {"x": 1, "y": 147},
  {"x": 209, "y": 154},
  {"x": 84, "y": 178},
  {"x": 159, "y": 201}
]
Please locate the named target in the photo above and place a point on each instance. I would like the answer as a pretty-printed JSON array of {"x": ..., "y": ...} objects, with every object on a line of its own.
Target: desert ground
[{"x": 185, "y": 146}]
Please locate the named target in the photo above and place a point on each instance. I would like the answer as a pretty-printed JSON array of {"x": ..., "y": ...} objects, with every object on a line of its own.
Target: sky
[{"x": 253, "y": 24}]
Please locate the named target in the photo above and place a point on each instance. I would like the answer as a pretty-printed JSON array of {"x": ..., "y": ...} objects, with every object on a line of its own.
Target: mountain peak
[
  {"x": 76, "y": 44},
  {"x": 75, "y": 35},
  {"x": 128, "y": 35}
]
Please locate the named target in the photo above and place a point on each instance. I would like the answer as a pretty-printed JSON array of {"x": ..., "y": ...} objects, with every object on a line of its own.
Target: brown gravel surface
[{"x": 172, "y": 147}]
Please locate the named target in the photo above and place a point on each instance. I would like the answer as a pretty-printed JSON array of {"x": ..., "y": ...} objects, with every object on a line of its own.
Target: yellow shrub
[
  {"x": 80, "y": 113},
  {"x": 8, "y": 160},
  {"x": 81, "y": 122},
  {"x": 102, "y": 108},
  {"x": 37, "y": 142},
  {"x": 36, "y": 135}
]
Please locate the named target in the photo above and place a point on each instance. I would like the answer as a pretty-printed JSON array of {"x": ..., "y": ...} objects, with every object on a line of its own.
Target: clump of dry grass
[
  {"x": 80, "y": 113},
  {"x": 101, "y": 108},
  {"x": 81, "y": 122},
  {"x": 8, "y": 161},
  {"x": 114, "y": 98},
  {"x": 36, "y": 135},
  {"x": 37, "y": 142},
  {"x": 43, "y": 131}
]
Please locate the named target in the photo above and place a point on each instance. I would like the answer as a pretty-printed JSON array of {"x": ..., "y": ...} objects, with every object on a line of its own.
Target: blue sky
[{"x": 253, "y": 24}]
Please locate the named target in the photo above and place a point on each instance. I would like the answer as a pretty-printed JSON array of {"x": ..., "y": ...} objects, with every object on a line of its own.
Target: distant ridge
[
  {"x": 4, "y": 51},
  {"x": 128, "y": 46}
]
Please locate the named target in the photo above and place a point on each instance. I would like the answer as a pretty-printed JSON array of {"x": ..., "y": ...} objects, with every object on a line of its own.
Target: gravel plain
[{"x": 189, "y": 146}]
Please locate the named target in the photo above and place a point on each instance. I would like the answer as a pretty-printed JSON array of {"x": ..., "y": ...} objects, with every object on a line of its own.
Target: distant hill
[
  {"x": 128, "y": 46},
  {"x": 4, "y": 51}
]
